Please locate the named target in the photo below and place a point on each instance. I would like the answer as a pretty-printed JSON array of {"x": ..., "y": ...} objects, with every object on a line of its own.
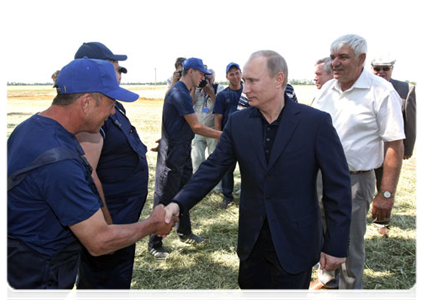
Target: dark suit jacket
[
  {"x": 407, "y": 93},
  {"x": 283, "y": 190}
]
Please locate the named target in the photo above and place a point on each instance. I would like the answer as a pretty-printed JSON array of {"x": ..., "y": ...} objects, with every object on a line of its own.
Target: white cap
[{"x": 383, "y": 60}]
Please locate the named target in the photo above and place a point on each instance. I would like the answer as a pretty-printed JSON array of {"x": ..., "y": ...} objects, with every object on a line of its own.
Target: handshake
[{"x": 164, "y": 218}]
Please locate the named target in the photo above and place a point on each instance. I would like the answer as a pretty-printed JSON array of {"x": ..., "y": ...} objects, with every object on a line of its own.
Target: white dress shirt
[{"x": 365, "y": 116}]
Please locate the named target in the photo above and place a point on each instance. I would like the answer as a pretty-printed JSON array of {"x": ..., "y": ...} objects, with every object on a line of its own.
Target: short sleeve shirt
[
  {"x": 365, "y": 116},
  {"x": 51, "y": 197},
  {"x": 178, "y": 102},
  {"x": 229, "y": 101}
]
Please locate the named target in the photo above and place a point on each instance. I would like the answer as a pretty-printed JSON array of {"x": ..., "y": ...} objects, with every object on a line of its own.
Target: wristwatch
[{"x": 387, "y": 194}]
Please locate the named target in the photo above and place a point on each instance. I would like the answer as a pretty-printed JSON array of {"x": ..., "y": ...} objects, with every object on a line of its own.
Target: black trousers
[{"x": 262, "y": 269}]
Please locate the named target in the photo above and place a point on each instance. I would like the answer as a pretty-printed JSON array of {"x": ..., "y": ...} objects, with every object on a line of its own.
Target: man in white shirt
[
  {"x": 203, "y": 101},
  {"x": 366, "y": 112}
]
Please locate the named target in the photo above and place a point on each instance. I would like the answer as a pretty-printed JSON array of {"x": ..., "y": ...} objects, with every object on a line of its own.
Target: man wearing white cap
[
  {"x": 366, "y": 112},
  {"x": 383, "y": 66}
]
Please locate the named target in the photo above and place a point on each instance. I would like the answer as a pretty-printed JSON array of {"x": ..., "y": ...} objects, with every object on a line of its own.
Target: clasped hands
[{"x": 162, "y": 220}]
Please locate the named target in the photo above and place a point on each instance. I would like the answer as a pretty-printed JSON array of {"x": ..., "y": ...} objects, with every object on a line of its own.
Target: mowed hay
[{"x": 390, "y": 264}]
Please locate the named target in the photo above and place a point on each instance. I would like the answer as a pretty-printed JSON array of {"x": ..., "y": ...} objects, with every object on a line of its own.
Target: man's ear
[
  {"x": 85, "y": 102},
  {"x": 362, "y": 58},
  {"x": 280, "y": 78}
]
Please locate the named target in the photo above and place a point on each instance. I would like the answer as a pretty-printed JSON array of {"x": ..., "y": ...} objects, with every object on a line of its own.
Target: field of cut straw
[{"x": 390, "y": 264}]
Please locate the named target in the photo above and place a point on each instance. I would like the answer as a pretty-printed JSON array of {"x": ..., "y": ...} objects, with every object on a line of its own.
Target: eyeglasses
[{"x": 385, "y": 69}]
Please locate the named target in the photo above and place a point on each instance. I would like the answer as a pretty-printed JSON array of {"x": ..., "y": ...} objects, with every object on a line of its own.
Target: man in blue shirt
[
  {"x": 174, "y": 166},
  {"x": 120, "y": 171},
  {"x": 229, "y": 101},
  {"x": 53, "y": 204}
]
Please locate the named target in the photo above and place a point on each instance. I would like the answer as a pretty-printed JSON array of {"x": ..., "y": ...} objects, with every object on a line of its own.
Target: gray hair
[
  {"x": 357, "y": 43},
  {"x": 275, "y": 63},
  {"x": 326, "y": 67},
  {"x": 212, "y": 72}
]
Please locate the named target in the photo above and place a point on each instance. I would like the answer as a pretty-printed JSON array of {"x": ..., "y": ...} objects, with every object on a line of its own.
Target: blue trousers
[
  {"x": 107, "y": 271},
  {"x": 113, "y": 271},
  {"x": 28, "y": 269},
  {"x": 173, "y": 171}
]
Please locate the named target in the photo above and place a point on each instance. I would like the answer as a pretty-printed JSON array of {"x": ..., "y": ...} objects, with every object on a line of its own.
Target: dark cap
[{"x": 97, "y": 50}]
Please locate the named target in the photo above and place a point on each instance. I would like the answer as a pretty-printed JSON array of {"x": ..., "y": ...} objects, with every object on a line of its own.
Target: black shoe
[
  {"x": 191, "y": 238},
  {"x": 225, "y": 203},
  {"x": 159, "y": 253}
]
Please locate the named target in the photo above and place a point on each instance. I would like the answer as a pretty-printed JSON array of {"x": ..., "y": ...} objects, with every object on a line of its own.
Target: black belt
[{"x": 359, "y": 172}]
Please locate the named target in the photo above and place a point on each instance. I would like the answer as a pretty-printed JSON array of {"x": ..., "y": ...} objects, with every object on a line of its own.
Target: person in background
[
  {"x": 177, "y": 74},
  {"x": 279, "y": 237},
  {"x": 323, "y": 72},
  {"x": 53, "y": 205},
  {"x": 54, "y": 77},
  {"x": 174, "y": 165},
  {"x": 120, "y": 171},
  {"x": 383, "y": 66},
  {"x": 204, "y": 98},
  {"x": 366, "y": 112},
  {"x": 229, "y": 101}
]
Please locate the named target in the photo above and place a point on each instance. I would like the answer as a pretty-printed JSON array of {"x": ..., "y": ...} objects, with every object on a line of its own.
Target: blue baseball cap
[
  {"x": 232, "y": 64},
  {"x": 97, "y": 50},
  {"x": 92, "y": 75},
  {"x": 196, "y": 64}
]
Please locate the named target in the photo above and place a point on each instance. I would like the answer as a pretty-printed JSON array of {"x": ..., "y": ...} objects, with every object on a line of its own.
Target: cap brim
[
  {"x": 382, "y": 64},
  {"x": 122, "y": 95},
  {"x": 207, "y": 72},
  {"x": 119, "y": 57}
]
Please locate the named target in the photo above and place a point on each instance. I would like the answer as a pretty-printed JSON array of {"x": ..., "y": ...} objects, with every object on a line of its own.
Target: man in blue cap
[
  {"x": 53, "y": 205},
  {"x": 174, "y": 167},
  {"x": 120, "y": 171},
  {"x": 227, "y": 102}
]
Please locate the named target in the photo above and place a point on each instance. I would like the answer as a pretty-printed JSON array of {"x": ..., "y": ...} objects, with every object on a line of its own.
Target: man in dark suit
[
  {"x": 383, "y": 66},
  {"x": 280, "y": 146}
]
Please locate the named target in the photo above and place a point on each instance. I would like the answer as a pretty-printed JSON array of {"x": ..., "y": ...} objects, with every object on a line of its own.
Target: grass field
[{"x": 390, "y": 264}]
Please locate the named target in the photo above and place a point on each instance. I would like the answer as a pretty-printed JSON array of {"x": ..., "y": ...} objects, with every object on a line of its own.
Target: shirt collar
[{"x": 362, "y": 82}]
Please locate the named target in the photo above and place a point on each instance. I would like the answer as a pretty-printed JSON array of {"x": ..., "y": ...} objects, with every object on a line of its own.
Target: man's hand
[
  {"x": 172, "y": 211},
  {"x": 156, "y": 149},
  {"x": 382, "y": 207},
  {"x": 330, "y": 263},
  {"x": 208, "y": 89},
  {"x": 162, "y": 225},
  {"x": 177, "y": 75}
]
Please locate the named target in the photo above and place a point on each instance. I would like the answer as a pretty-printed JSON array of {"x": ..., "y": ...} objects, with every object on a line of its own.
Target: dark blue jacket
[{"x": 283, "y": 191}]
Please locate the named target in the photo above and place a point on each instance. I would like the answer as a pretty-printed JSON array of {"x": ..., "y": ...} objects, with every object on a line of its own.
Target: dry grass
[{"x": 390, "y": 264}]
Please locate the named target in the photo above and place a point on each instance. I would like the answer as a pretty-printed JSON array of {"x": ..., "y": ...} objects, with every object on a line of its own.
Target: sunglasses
[{"x": 385, "y": 69}]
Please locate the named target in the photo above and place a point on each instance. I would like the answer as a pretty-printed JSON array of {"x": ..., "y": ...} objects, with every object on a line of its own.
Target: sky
[{"x": 43, "y": 36}]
